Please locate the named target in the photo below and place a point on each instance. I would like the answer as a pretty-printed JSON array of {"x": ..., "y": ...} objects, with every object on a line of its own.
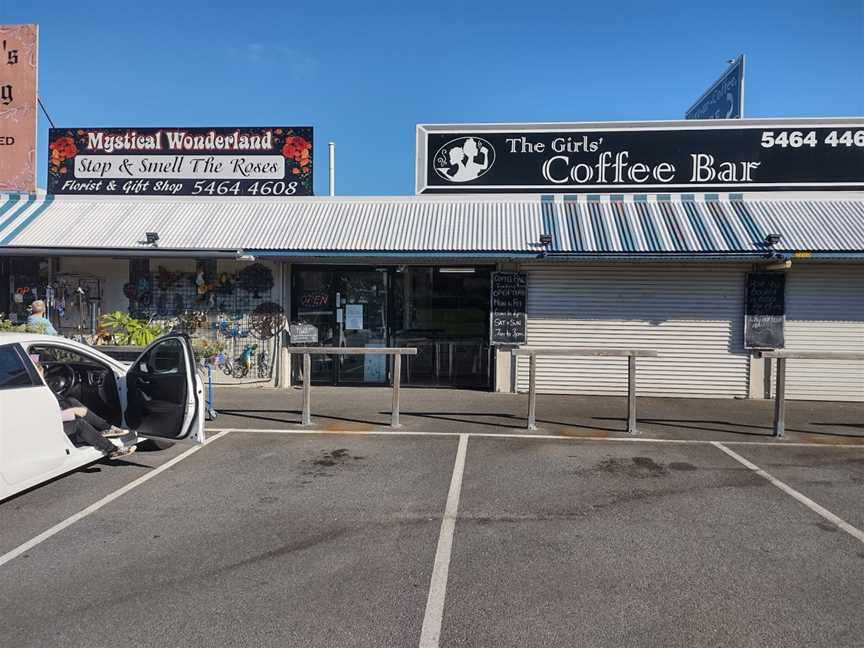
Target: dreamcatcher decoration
[{"x": 266, "y": 320}]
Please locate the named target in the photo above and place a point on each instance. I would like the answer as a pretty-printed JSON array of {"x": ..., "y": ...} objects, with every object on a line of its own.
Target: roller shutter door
[
  {"x": 825, "y": 312},
  {"x": 692, "y": 314}
]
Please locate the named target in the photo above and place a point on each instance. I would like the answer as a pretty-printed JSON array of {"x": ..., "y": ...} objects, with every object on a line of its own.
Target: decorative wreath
[{"x": 255, "y": 278}]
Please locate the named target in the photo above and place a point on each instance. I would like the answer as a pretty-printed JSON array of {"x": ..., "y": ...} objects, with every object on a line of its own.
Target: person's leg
[
  {"x": 93, "y": 419},
  {"x": 83, "y": 432}
]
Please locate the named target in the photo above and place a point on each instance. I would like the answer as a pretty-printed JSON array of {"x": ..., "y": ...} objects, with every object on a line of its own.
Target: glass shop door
[{"x": 361, "y": 321}]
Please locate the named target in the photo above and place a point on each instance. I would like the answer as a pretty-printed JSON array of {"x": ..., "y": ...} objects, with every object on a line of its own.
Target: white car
[{"x": 158, "y": 395}]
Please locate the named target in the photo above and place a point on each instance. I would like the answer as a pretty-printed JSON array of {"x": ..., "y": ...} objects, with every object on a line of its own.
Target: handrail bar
[
  {"x": 354, "y": 350},
  {"x": 813, "y": 355},
  {"x": 308, "y": 352},
  {"x": 580, "y": 351},
  {"x": 630, "y": 354}
]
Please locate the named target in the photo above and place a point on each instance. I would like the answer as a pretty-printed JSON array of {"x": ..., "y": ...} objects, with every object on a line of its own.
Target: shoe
[
  {"x": 125, "y": 451},
  {"x": 114, "y": 431}
]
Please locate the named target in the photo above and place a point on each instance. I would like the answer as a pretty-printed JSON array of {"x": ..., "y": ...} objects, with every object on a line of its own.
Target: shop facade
[
  {"x": 443, "y": 311},
  {"x": 647, "y": 271}
]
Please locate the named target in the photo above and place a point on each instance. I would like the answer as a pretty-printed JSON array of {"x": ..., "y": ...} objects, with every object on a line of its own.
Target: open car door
[{"x": 164, "y": 394}]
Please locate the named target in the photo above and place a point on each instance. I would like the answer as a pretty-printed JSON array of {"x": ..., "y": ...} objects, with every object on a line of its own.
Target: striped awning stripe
[{"x": 588, "y": 225}]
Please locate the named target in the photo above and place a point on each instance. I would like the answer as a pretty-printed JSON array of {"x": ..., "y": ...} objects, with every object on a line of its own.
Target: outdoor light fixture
[
  {"x": 772, "y": 239},
  {"x": 456, "y": 270},
  {"x": 151, "y": 238},
  {"x": 545, "y": 239}
]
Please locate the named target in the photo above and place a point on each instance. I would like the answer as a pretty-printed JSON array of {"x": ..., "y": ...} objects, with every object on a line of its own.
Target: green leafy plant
[
  {"x": 8, "y": 326},
  {"x": 127, "y": 330}
]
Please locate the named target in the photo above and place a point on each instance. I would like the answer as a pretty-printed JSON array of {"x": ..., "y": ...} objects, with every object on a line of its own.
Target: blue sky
[{"x": 364, "y": 74}]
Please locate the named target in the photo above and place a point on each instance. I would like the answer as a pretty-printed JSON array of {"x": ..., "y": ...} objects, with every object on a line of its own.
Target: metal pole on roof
[{"x": 331, "y": 146}]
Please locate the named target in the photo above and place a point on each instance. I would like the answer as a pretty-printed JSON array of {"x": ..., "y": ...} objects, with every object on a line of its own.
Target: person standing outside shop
[{"x": 37, "y": 318}]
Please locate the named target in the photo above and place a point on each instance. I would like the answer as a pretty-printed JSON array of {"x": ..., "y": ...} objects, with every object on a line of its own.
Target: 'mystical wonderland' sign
[
  {"x": 181, "y": 161},
  {"x": 676, "y": 156}
]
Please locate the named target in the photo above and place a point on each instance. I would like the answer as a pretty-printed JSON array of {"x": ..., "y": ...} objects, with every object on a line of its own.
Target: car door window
[
  {"x": 165, "y": 358},
  {"x": 13, "y": 370}
]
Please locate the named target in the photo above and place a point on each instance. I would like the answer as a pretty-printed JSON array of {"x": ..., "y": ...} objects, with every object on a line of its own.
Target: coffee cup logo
[{"x": 464, "y": 159}]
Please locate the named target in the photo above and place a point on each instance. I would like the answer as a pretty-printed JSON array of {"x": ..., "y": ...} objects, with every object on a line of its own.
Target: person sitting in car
[{"x": 84, "y": 427}]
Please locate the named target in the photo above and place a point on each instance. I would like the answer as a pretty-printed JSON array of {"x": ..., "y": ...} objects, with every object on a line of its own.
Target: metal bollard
[
  {"x": 631, "y": 395},
  {"x": 532, "y": 393},
  {"x": 397, "y": 377},
  {"x": 307, "y": 389},
  {"x": 780, "y": 399}
]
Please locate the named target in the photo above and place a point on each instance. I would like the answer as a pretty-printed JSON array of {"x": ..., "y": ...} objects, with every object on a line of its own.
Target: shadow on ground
[{"x": 457, "y": 411}]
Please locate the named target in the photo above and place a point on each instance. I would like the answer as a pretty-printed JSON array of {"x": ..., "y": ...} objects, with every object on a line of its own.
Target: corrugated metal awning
[{"x": 506, "y": 225}]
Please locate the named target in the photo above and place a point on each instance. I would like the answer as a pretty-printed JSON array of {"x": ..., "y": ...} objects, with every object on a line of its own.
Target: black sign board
[
  {"x": 509, "y": 298},
  {"x": 303, "y": 333},
  {"x": 649, "y": 157},
  {"x": 227, "y": 162},
  {"x": 765, "y": 310}
]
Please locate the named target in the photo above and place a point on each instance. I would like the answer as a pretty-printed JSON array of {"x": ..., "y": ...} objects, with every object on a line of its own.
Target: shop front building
[
  {"x": 443, "y": 311},
  {"x": 664, "y": 272}
]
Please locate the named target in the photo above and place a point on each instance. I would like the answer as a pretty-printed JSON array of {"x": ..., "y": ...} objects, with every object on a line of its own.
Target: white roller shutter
[
  {"x": 692, "y": 314},
  {"x": 825, "y": 312}
]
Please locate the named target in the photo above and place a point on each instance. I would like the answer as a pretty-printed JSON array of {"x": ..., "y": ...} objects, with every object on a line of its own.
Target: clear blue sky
[{"x": 364, "y": 74}]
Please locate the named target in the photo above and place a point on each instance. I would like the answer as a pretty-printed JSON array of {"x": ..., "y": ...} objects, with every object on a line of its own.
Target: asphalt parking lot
[{"x": 330, "y": 539}]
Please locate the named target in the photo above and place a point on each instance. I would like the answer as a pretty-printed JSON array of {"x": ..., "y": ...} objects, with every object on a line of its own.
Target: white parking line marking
[
  {"x": 554, "y": 437},
  {"x": 72, "y": 519},
  {"x": 431, "y": 632},
  {"x": 806, "y": 501}
]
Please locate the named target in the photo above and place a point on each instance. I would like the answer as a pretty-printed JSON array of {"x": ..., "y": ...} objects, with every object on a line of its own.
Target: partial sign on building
[
  {"x": 637, "y": 157},
  {"x": 725, "y": 98},
  {"x": 19, "y": 45},
  {"x": 508, "y": 308},
  {"x": 227, "y": 162},
  {"x": 765, "y": 310}
]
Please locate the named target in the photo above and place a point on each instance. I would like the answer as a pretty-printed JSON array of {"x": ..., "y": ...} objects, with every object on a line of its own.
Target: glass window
[
  {"x": 165, "y": 358},
  {"x": 49, "y": 355},
  {"x": 13, "y": 372}
]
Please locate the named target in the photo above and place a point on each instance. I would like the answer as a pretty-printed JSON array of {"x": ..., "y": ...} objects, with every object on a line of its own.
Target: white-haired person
[{"x": 37, "y": 318}]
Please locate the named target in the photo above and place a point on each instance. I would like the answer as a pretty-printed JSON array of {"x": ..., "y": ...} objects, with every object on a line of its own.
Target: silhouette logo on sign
[{"x": 464, "y": 159}]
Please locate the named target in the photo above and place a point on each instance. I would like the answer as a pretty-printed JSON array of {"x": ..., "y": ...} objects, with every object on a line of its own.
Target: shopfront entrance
[{"x": 443, "y": 311}]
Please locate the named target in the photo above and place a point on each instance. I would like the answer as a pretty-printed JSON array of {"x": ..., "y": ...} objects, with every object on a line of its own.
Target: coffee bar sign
[
  {"x": 226, "y": 162},
  {"x": 673, "y": 156}
]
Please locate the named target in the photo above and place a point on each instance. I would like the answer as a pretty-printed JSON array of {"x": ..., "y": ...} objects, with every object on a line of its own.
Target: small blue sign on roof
[{"x": 725, "y": 98}]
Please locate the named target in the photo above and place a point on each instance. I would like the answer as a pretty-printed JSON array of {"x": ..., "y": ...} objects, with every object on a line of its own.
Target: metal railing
[
  {"x": 308, "y": 352},
  {"x": 630, "y": 354},
  {"x": 780, "y": 388}
]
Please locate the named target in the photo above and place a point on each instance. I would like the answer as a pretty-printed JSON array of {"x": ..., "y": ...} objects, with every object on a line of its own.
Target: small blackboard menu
[
  {"x": 765, "y": 310},
  {"x": 509, "y": 292},
  {"x": 303, "y": 334}
]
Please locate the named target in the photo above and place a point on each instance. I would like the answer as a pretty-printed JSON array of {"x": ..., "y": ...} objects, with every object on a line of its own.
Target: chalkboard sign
[
  {"x": 765, "y": 310},
  {"x": 508, "y": 307},
  {"x": 303, "y": 333}
]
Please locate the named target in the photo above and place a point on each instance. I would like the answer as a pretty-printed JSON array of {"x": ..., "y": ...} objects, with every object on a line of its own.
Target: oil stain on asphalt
[
  {"x": 640, "y": 467},
  {"x": 327, "y": 461}
]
